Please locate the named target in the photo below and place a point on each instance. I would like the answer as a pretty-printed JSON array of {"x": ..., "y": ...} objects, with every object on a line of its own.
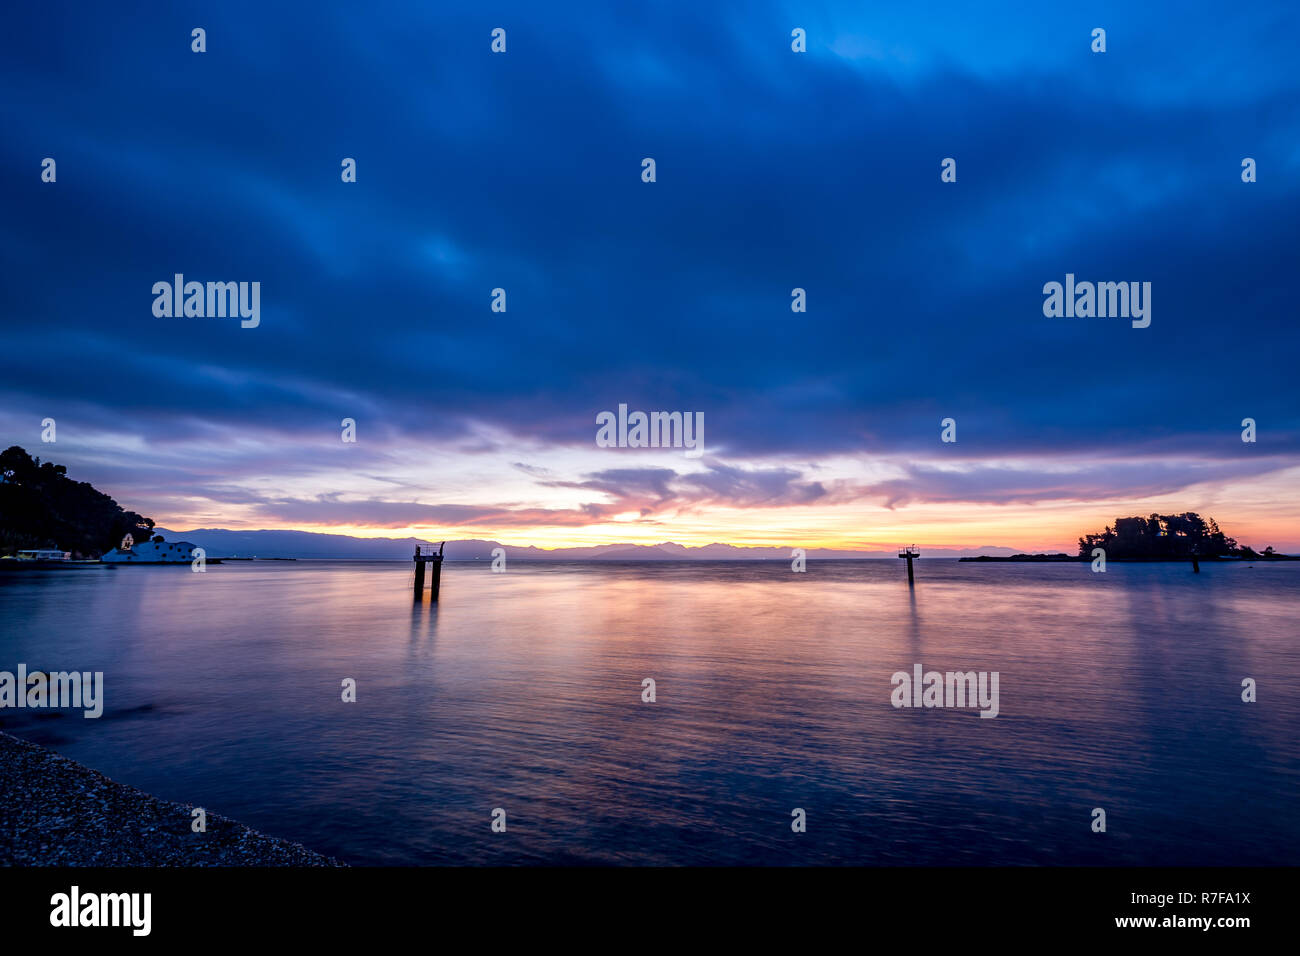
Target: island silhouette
[{"x": 1174, "y": 537}]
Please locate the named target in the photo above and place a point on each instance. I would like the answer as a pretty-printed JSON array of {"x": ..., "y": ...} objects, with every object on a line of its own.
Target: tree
[
  {"x": 1158, "y": 536},
  {"x": 40, "y": 507}
]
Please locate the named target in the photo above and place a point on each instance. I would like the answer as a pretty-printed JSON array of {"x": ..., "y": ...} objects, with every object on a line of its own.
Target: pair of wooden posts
[{"x": 433, "y": 562}]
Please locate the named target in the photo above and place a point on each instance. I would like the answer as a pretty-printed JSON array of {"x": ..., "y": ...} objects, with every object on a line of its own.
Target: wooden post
[
  {"x": 435, "y": 575},
  {"x": 910, "y": 553},
  {"x": 434, "y": 561},
  {"x": 1196, "y": 565}
]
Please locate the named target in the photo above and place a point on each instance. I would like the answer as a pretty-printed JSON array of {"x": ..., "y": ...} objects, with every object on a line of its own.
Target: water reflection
[{"x": 523, "y": 690}]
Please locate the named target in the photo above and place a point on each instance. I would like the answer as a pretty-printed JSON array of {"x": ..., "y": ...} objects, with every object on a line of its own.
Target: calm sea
[{"x": 522, "y": 690}]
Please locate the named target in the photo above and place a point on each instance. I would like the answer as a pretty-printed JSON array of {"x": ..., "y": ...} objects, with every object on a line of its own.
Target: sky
[{"x": 774, "y": 170}]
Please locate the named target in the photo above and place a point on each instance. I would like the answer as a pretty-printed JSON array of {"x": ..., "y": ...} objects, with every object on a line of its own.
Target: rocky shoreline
[{"x": 55, "y": 812}]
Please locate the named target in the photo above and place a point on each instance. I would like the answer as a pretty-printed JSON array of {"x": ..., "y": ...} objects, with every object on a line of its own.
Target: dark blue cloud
[{"x": 774, "y": 171}]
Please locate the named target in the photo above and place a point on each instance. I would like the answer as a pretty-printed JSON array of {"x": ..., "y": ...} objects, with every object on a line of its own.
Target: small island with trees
[
  {"x": 1180, "y": 537},
  {"x": 41, "y": 507}
]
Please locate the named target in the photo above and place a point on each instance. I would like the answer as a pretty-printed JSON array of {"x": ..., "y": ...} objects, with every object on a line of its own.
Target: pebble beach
[{"x": 56, "y": 812}]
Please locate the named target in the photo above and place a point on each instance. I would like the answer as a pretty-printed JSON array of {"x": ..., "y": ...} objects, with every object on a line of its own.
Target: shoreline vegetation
[
  {"x": 57, "y": 812},
  {"x": 1182, "y": 537},
  {"x": 41, "y": 507}
]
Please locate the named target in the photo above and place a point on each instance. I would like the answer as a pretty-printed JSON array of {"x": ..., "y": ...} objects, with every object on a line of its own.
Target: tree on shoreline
[
  {"x": 41, "y": 507},
  {"x": 1185, "y": 535}
]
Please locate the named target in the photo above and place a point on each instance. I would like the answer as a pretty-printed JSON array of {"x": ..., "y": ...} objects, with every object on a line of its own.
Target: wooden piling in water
[
  {"x": 434, "y": 563},
  {"x": 910, "y": 553},
  {"x": 435, "y": 577}
]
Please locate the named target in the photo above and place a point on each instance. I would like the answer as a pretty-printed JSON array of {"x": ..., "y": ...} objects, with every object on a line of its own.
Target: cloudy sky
[{"x": 775, "y": 170}]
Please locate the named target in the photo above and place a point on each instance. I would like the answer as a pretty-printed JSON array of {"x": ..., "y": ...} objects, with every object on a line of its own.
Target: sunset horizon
[{"x": 1255, "y": 511}]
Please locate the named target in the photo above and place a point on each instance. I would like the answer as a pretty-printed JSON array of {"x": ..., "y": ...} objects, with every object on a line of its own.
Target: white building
[{"x": 151, "y": 552}]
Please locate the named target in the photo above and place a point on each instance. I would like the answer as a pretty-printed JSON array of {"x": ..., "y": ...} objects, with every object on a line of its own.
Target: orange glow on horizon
[
  {"x": 1258, "y": 511},
  {"x": 1048, "y": 527}
]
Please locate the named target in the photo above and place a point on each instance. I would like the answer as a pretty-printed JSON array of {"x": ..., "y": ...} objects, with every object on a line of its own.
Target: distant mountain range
[{"x": 219, "y": 542}]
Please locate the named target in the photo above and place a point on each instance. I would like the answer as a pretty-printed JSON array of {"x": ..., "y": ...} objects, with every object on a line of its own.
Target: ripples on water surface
[{"x": 522, "y": 690}]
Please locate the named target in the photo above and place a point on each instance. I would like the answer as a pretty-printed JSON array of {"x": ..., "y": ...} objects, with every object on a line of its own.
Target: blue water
[{"x": 522, "y": 691}]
